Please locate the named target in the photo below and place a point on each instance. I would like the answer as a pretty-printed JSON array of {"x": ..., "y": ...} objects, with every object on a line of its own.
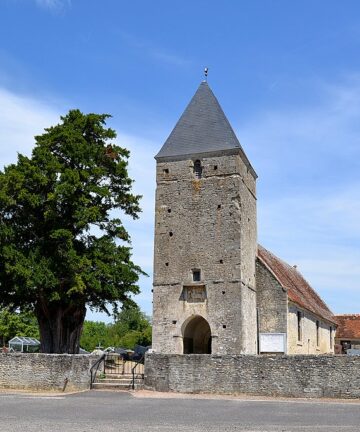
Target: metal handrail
[
  {"x": 96, "y": 365},
  {"x": 141, "y": 361}
]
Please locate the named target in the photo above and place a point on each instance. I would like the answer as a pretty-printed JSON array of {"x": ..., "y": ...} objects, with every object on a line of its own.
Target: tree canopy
[
  {"x": 131, "y": 327},
  {"x": 61, "y": 245}
]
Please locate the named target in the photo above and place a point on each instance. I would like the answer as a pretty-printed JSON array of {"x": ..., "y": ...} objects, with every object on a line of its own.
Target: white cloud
[
  {"x": 55, "y": 5},
  {"x": 308, "y": 136},
  {"x": 322, "y": 236},
  {"x": 155, "y": 52},
  {"x": 166, "y": 57},
  {"x": 21, "y": 119},
  {"x": 308, "y": 161}
]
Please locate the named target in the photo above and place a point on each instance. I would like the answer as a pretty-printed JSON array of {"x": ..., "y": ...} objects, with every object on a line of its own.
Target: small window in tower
[
  {"x": 166, "y": 170},
  {"x": 196, "y": 275},
  {"x": 197, "y": 169},
  {"x": 215, "y": 167}
]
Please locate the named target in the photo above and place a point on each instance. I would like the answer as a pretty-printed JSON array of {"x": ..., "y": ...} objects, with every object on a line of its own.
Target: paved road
[{"x": 115, "y": 411}]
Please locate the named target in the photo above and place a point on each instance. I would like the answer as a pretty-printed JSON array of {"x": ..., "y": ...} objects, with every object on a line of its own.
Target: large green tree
[{"x": 61, "y": 247}]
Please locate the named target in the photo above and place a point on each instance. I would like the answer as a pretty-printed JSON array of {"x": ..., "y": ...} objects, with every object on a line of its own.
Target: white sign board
[
  {"x": 353, "y": 352},
  {"x": 272, "y": 342}
]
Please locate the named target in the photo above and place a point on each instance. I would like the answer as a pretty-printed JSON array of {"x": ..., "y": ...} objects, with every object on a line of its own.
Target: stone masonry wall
[
  {"x": 207, "y": 224},
  {"x": 278, "y": 315},
  {"x": 288, "y": 376},
  {"x": 45, "y": 371},
  {"x": 308, "y": 342},
  {"x": 272, "y": 302}
]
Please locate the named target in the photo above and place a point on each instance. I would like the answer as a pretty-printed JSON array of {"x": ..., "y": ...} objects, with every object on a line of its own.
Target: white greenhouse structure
[{"x": 24, "y": 344}]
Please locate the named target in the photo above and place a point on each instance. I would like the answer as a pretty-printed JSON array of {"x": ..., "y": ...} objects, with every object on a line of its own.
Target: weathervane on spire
[{"x": 206, "y": 71}]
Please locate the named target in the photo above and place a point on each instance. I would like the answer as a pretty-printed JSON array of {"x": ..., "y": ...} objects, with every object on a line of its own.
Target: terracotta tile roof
[
  {"x": 349, "y": 326},
  {"x": 298, "y": 289}
]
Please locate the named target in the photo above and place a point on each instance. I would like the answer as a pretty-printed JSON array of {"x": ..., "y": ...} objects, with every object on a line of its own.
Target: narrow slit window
[
  {"x": 317, "y": 333},
  {"x": 197, "y": 169},
  {"x": 196, "y": 275},
  {"x": 331, "y": 338},
  {"x": 299, "y": 326}
]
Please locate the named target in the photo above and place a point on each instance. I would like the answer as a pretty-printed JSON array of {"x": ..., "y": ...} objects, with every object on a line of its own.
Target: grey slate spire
[{"x": 202, "y": 128}]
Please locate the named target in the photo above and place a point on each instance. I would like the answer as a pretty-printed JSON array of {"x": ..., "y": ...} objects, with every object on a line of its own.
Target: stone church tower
[{"x": 205, "y": 237}]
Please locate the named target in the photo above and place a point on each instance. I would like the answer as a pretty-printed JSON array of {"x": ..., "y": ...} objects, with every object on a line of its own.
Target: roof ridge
[
  {"x": 348, "y": 315},
  {"x": 299, "y": 289}
]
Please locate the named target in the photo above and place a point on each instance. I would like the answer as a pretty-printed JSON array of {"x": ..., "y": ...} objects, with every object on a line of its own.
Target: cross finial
[{"x": 206, "y": 71}]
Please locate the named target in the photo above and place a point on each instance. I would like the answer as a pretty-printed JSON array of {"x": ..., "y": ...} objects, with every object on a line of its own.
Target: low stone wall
[
  {"x": 45, "y": 371},
  {"x": 289, "y": 376}
]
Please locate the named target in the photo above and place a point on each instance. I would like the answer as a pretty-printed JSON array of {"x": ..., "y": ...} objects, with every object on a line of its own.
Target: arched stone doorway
[{"x": 197, "y": 336}]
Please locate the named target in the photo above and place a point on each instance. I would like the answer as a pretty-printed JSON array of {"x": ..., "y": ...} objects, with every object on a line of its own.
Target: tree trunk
[{"x": 60, "y": 327}]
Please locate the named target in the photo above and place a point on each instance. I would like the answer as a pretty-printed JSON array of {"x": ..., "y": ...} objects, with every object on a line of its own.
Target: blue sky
[{"x": 287, "y": 75}]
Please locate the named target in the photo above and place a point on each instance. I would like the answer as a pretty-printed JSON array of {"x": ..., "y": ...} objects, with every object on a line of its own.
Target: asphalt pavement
[{"x": 105, "y": 411}]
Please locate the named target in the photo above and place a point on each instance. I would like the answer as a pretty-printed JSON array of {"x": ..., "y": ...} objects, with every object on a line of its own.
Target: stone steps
[
  {"x": 119, "y": 376},
  {"x": 118, "y": 382},
  {"x": 116, "y": 386}
]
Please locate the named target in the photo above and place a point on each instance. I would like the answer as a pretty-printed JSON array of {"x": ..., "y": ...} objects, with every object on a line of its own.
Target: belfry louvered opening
[{"x": 197, "y": 169}]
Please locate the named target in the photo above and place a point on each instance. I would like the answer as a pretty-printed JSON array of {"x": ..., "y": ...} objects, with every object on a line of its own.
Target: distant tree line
[
  {"x": 17, "y": 324},
  {"x": 130, "y": 327}
]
